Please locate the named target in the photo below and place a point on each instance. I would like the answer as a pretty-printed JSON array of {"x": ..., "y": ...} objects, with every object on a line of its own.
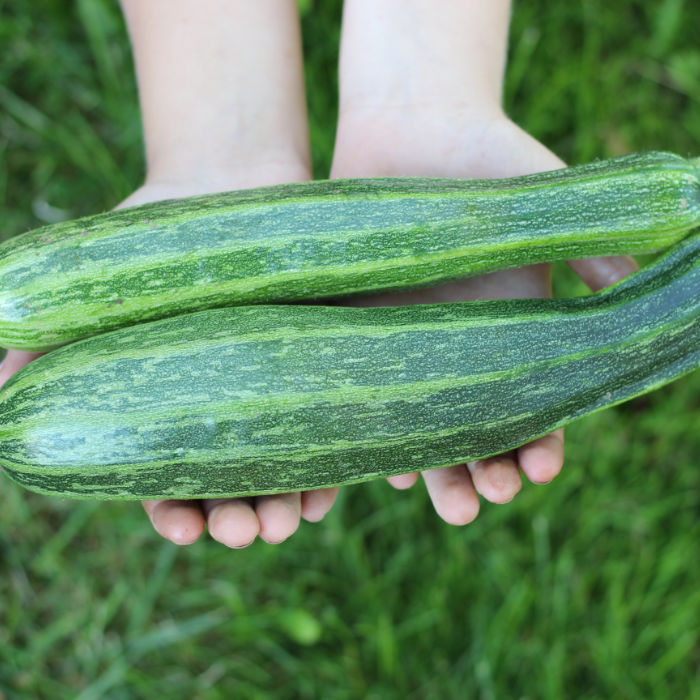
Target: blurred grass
[{"x": 586, "y": 588}]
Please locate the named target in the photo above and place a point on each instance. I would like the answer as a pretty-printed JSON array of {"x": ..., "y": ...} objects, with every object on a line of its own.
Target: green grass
[{"x": 586, "y": 588}]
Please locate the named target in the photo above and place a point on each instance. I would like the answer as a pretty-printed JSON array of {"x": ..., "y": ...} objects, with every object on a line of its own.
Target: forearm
[
  {"x": 206, "y": 113},
  {"x": 423, "y": 54}
]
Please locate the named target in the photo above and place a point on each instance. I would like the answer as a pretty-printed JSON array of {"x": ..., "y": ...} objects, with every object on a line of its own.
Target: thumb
[
  {"x": 599, "y": 273},
  {"x": 14, "y": 361}
]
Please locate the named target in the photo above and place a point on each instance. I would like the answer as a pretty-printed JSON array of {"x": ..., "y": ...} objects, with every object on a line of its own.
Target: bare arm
[
  {"x": 423, "y": 53},
  {"x": 432, "y": 68},
  {"x": 221, "y": 91},
  {"x": 222, "y": 98}
]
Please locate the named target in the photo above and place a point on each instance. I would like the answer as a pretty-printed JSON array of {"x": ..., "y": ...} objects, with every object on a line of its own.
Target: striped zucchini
[
  {"x": 326, "y": 239},
  {"x": 268, "y": 399}
]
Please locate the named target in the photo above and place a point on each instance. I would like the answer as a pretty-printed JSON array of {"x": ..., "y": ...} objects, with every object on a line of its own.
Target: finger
[
  {"x": 403, "y": 481},
  {"x": 542, "y": 459},
  {"x": 279, "y": 516},
  {"x": 599, "y": 273},
  {"x": 452, "y": 492},
  {"x": 13, "y": 361},
  {"x": 497, "y": 479},
  {"x": 231, "y": 521},
  {"x": 180, "y": 522},
  {"x": 315, "y": 504}
]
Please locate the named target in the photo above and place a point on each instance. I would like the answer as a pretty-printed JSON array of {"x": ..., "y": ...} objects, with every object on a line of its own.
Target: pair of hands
[
  {"x": 223, "y": 105},
  {"x": 454, "y": 491}
]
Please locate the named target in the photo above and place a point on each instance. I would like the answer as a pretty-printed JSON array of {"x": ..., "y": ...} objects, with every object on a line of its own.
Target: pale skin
[{"x": 223, "y": 107}]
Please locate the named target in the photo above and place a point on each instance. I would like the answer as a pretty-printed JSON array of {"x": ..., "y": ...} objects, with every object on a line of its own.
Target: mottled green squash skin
[
  {"x": 268, "y": 399},
  {"x": 329, "y": 239}
]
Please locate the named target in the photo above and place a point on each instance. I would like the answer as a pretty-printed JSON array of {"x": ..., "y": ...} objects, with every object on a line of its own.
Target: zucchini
[
  {"x": 327, "y": 239},
  {"x": 267, "y": 399}
]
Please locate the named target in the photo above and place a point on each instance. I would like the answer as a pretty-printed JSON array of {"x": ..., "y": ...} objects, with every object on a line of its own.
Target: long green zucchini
[
  {"x": 326, "y": 239},
  {"x": 267, "y": 399}
]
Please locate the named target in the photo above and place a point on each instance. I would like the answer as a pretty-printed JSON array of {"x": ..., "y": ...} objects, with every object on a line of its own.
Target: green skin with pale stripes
[
  {"x": 329, "y": 239},
  {"x": 267, "y": 399}
]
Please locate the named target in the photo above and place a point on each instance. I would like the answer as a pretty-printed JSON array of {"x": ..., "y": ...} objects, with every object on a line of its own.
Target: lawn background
[{"x": 586, "y": 588}]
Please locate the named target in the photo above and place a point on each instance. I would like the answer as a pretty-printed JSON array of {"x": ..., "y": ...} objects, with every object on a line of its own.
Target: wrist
[
  {"x": 408, "y": 115},
  {"x": 420, "y": 140},
  {"x": 203, "y": 178},
  {"x": 159, "y": 185},
  {"x": 437, "y": 143}
]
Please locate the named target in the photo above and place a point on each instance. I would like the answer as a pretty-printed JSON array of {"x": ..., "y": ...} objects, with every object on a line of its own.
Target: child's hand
[
  {"x": 420, "y": 96},
  {"x": 235, "y": 522}
]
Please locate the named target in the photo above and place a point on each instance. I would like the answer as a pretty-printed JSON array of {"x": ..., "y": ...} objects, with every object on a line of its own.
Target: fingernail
[{"x": 540, "y": 483}]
